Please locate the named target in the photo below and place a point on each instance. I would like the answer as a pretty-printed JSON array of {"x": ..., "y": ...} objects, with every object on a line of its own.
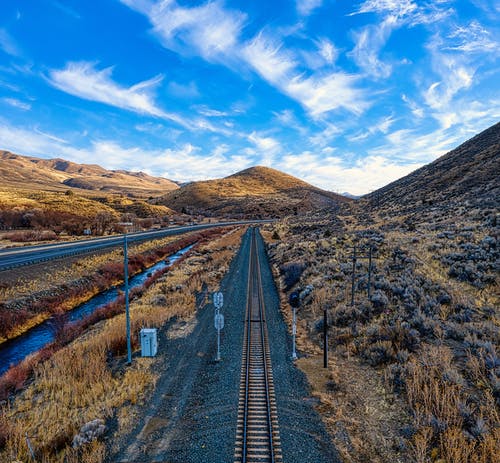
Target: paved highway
[{"x": 15, "y": 257}]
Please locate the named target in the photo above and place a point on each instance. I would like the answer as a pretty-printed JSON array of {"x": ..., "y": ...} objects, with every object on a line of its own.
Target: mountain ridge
[
  {"x": 259, "y": 190},
  {"x": 23, "y": 171}
]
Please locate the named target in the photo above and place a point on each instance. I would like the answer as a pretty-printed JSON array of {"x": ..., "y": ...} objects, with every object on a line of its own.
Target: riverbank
[
  {"x": 85, "y": 278},
  {"x": 88, "y": 379}
]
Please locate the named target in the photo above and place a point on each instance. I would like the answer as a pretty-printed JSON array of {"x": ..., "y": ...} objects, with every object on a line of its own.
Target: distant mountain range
[
  {"x": 468, "y": 175},
  {"x": 57, "y": 174}
]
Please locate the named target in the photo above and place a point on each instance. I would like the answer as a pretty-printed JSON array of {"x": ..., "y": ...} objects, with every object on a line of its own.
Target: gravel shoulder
[{"x": 191, "y": 415}]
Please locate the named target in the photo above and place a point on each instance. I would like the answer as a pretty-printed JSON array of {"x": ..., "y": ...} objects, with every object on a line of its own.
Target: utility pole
[
  {"x": 325, "y": 338},
  {"x": 361, "y": 255},
  {"x": 127, "y": 311},
  {"x": 294, "y": 301},
  {"x": 353, "y": 273},
  {"x": 369, "y": 270}
]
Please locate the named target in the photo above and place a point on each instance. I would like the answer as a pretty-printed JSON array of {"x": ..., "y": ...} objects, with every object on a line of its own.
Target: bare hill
[
  {"x": 466, "y": 177},
  {"x": 56, "y": 174},
  {"x": 257, "y": 191}
]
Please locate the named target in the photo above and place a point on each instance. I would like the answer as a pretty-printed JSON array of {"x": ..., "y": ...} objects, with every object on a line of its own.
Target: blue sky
[{"x": 346, "y": 95}]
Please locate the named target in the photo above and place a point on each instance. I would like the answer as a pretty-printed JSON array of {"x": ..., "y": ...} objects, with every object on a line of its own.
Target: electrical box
[{"x": 149, "y": 342}]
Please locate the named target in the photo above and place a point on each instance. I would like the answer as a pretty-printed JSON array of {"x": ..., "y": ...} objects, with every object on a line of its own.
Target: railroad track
[{"x": 257, "y": 433}]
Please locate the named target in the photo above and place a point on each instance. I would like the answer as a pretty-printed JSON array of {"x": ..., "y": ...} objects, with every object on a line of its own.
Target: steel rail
[{"x": 257, "y": 419}]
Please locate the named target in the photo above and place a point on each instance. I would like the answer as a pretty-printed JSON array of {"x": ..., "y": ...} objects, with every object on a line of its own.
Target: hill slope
[
  {"x": 257, "y": 191},
  {"x": 56, "y": 174},
  {"x": 466, "y": 176}
]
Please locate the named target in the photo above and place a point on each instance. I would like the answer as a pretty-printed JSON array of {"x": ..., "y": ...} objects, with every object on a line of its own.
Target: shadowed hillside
[
  {"x": 258, "y": 191},
  {"x": 467, "y": 175}
]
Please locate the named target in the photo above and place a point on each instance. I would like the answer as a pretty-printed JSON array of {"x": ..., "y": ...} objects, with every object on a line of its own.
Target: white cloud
[
  {"x": 184, "y": 163},
  {"x": 17, "y": 103},
  {"x": 407, "y": 11},
  {"x": 333, "y": 174},
  {"x": 265, "y": 145},
  {"x": 398, "y": 8},
  {"x": 83, "y": 80},
  {"x": 411, "y": 145},
  {"x": 328, "y": 51},
  {"x": 209, "y": 29},
  {"x": 325, "y": 54},
  {"x": 473, "y": 38},
  {"x": 209, "y": 112},
  {"x": 320, "y": 94},
  {"x": 8, "y": 44},
  {"x": 382, "y": 126},
  {"x": 369, "y": 41},
  {"x": 455, "y": 73},
  {"x": 306, "y": 7},
  {"x": 324, "y": 137},
  {"x": 212, "y": 32},
  {"x": 269, "y": 58},
  {"x": 415, "y": 108}
]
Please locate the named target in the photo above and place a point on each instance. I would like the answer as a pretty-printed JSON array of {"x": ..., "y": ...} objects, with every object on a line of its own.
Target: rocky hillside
[
  {"x": 56, "y": 174},
  {"x": 257, "y": 191},
  {"x": 466, "y": 176}
]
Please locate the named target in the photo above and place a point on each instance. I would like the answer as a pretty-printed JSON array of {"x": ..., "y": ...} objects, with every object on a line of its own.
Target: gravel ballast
[{"x": 191, "y": 416}]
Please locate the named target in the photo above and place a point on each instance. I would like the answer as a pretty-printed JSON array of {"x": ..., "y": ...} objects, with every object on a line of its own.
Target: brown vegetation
[
  {"x": 428, "y": 333},
  {"x": 87, "y": 380},
  {"x": 21, "y": 313}
]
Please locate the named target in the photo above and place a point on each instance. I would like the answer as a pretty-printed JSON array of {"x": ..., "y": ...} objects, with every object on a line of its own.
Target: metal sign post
[
  {"x": 127, "y": 312},
  {"x": 218, "y": 299},
  {"x": 219, "y": 324}
]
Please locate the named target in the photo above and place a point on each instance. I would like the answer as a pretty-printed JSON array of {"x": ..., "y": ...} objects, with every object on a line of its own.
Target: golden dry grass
[{"x": 78, "y": 384}]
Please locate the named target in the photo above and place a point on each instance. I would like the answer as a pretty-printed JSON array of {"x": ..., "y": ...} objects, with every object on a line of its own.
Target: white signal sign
[
  {"x": 219, "y": 321},
  {"x": 218, "y": 299}
]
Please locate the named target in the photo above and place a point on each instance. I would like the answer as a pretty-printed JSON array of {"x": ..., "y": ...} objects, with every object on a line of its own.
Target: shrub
[
  {"x": 292, "y": 272},
  {"x": 379, "y": 353}
]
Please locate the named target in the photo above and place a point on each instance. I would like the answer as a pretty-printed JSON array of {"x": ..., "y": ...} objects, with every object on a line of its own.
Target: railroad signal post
[{"x": 218, "y": 299}]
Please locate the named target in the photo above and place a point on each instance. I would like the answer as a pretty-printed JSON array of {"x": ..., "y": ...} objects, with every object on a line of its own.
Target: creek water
[{"x": 15, "y": 350}]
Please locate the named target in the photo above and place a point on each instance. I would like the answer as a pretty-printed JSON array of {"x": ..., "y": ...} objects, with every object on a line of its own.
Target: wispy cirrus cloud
[
  {"x": 473, "y": 38},
  {"x": 306, "y": 7},
  {"x": 269, "y": 58},
  {"x": 318, "y": 93},
  {"x": 83, "y": 80},
  {"x": 14, "y": 102},
  {"x": 213, "y": 33},
  {"x": 369, "y": 41},
  {"x": 8, "y": 44},
  {"x": 208, "y": 30}
]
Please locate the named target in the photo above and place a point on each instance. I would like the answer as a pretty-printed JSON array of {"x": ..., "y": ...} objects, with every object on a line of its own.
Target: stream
[{"x": 15, "y": 350}]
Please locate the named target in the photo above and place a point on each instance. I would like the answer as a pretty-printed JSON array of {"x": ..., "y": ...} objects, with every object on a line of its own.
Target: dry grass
[
  {"x": 435, "y": 338},
  {"x": 439, "y": 413},
  {"x": 67, "y": 270},
  {"x": 81, "y": 382}
]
